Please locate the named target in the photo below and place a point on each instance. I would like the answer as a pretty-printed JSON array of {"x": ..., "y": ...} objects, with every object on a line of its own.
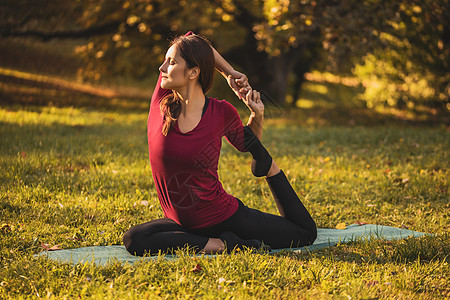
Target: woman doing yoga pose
[{"x": 185, "y": 130}]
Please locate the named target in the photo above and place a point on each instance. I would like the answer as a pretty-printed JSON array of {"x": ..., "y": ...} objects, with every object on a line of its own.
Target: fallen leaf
[
  {"x": 371, "y": 283},
  {"x": 6, "y": 228},
  {"x": 119, "y": 220},
  {"x": 341, "y": 226},
  {"x": 360, "y": 223},
  {"x": 54, "y": 248},
  {"x": 48, "y": 248},
  {"x": 198, "y": 268}
]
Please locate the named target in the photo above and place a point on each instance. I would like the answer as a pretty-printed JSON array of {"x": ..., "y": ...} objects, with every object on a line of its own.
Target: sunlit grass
[{"x": 80, "y": 177}]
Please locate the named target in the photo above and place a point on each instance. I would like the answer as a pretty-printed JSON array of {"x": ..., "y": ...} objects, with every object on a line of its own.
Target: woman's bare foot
[{"x": 213, "y": 246}]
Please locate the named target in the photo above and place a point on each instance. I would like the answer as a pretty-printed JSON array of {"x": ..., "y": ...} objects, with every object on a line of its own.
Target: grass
[
  {"x": 80, "y": 176},
  {"x": 74, "y": 172}
]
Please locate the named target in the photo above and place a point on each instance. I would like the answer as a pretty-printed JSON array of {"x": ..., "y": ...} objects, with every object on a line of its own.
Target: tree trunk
[
  {"x": 264, "y": 72},
  {"x": 270, "y": 75}
]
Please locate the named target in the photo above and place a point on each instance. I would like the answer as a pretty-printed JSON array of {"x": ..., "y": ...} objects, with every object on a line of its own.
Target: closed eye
[{"x": 170, "y": 60}]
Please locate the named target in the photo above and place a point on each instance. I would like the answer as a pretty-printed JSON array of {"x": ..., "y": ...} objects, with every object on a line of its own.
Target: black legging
[{"x": 294, "y": 228}]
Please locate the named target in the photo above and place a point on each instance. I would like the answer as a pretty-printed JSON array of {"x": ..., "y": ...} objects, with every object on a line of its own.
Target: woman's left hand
[
  {"x": 253, "y": 101},
  {"x": 238, "y": 83}
]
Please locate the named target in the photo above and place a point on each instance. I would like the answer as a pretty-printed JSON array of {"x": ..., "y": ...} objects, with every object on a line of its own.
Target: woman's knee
[
  {"x": 306, "y": 237},
  {"x": 312, "y": 235},
  {"x": 127, "y": 238},
  {"x": 131, "y": 242}
]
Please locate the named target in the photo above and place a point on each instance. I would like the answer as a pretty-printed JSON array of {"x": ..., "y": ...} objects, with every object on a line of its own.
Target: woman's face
[{"x": 173, "y": 70}]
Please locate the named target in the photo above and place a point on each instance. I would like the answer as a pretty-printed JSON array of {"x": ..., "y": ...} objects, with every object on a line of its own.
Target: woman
[{"x": 185, "y": 130}]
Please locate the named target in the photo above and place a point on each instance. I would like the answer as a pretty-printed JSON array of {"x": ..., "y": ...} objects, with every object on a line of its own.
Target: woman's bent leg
[
  {"x": 275, "y": 231},
  {"x": 161, "y": 235},
  {"x": 249, "y": 227},
  {"x": 290, "y": 206}
]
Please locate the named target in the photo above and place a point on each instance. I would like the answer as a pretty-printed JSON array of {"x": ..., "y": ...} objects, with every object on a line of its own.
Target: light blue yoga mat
[{"x": 102, "y": 255}]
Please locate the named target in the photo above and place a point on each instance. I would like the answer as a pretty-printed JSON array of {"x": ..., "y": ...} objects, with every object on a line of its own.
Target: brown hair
[{"x": 197, "y": 52}]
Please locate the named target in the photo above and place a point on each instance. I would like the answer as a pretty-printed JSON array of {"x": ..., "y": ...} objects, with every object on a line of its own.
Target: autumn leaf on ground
[
  {"x": 48, "y": 248},
  {"x": 371, "y": 283},
  {"x": 360, "y": 223},
  {"x": 6, "y": 228},
  {"x": 223, "y": 280},
  {"x": 197, "y": 268},
  {"x": 341, "y": 226},
  {"x": 119, "y": 220}
]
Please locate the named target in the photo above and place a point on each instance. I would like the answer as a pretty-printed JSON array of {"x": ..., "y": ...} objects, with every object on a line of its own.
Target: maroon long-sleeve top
[{"x": 184, "y": 165}]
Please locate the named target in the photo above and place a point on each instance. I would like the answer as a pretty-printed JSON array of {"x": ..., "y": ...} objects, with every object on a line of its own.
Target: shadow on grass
[
  {"x": 20, "y": 91},
  {"x": 321, "y": 103},
  {"x": 424, "y": 249}
]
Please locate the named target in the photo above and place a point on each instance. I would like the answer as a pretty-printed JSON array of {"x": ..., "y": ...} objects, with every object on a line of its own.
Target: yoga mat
[{"x": 103, "y": 255}]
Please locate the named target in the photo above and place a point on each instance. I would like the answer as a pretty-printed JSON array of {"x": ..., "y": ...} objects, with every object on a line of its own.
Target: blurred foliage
[
  {"x": 275, "y": 42},
  {"x": 412, "y": 69}
]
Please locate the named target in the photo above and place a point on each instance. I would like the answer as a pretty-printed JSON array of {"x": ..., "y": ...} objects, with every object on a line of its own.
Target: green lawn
[{"x": 80, "y": 177}]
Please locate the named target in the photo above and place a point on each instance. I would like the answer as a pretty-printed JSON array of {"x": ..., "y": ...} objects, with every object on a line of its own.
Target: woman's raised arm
[{"x": 238, "y": 82}]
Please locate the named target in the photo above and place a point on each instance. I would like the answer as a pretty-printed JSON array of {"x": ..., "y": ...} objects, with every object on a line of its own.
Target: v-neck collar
[{"x": 205, "y": 106}]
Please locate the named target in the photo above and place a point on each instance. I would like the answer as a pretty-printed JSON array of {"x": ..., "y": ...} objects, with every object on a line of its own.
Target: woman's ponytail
[{"x": 170, "y": 108}]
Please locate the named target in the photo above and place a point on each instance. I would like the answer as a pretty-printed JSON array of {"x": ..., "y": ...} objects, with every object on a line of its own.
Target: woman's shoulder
[
  {"x": 221, "y": 104},
  {"x": 224, "y": 110}
]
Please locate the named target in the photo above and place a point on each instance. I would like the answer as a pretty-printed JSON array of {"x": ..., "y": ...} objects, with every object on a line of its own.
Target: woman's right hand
[
  {"x": 238, "y": 82},
  {"x": 253, "y": 101}
]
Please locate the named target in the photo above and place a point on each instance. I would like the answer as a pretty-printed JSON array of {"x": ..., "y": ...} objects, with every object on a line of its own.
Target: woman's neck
[{"x": 192, "y": 99}]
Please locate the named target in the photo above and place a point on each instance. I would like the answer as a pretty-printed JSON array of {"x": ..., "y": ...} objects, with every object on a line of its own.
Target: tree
[
  {"x": 267, "y": 39},
  {"x": 412, "y": 70}
]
